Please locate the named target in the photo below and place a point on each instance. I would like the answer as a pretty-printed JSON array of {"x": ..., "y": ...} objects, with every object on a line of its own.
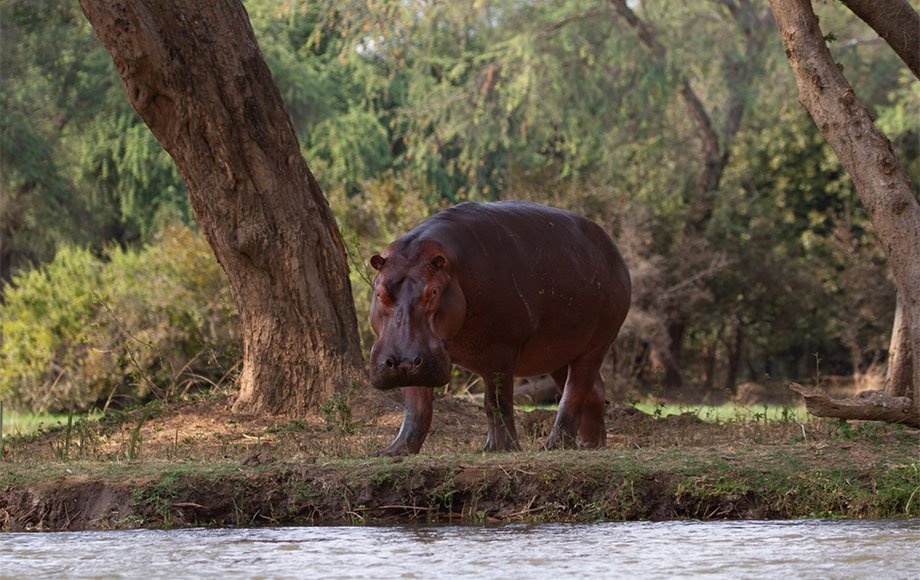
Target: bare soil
[{"x": 195, "y": 463}]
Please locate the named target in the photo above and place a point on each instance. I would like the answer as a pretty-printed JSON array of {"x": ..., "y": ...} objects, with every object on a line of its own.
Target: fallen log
[{"x": 865, "y": 406}]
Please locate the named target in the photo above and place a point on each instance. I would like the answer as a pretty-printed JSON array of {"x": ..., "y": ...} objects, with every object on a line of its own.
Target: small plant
[
  {"x": 294, "y": 425},
  {"x": 68, "y": 433},
  {"x": 337, "y": 412},
  {"x": 135, "y": 438}
]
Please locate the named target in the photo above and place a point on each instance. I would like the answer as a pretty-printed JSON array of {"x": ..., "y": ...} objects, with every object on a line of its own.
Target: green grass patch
[
  {"x": 24, "y": 424},
  {"x": 724, "y": 413},
  {"x": 728, "y": 412}
]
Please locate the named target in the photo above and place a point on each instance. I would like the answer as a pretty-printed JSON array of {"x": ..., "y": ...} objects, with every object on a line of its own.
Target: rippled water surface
[{"x": 796, "y": 549}]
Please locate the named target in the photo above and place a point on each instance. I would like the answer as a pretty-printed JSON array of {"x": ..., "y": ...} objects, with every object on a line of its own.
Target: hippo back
[{"x": 538, "y": 279}]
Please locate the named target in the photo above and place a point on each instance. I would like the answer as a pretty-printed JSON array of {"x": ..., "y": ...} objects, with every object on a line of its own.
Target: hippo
[{"x": 503, "y": 289}]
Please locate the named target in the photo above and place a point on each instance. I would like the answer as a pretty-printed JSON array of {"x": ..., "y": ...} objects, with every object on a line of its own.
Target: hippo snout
[{"x": 390, "y": 370}]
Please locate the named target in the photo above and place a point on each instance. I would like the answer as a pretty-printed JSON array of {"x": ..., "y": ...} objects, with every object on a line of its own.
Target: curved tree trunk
[
  {"x": 900, "y": 359},
  {"x": 896, "y": 22},
  {"x": 864, "y": 152},
  {"x": 195, "y": 74}
]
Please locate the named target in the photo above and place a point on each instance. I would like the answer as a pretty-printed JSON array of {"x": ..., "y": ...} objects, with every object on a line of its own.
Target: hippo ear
[
  {"x": 377, "y": 262},
  {"x": 451, "y": 314}
]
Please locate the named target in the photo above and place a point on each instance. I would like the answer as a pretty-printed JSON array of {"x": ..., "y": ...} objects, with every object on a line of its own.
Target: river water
[{"x": 823, "y": 549}]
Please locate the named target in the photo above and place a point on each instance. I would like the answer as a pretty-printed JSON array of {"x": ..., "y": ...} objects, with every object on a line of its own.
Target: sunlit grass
[
  {"x": 723, "y": 413},
  {"x": 29, "y": 423},
  {"x": 728, "y": 411}
]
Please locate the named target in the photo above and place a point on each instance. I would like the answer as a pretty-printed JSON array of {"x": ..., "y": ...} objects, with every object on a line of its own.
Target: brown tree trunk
[
  {"x": 195, "y": 74},
  {"x": 673, "y": 365},
  {"x": 735, "y": 350},
  {"x": 864, "y": 152},
  {"x": 900, "y": 363}
]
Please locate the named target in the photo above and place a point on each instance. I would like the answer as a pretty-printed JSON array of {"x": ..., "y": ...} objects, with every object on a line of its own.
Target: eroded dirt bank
[
  {"x": 545, "y": 487},
  {"x": 193, "y": 464}
]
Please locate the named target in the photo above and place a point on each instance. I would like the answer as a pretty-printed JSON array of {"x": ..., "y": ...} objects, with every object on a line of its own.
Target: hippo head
[{"x": 417, "y": 307}]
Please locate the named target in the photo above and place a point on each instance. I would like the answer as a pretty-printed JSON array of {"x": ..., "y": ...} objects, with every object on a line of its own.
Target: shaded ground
[{"x": 194, "y": 463}]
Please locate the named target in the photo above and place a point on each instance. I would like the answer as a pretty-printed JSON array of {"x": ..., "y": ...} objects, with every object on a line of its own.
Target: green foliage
[
  {"x": 79, "y": 165},
  {"x": 898, "y": 120},
  {"x": 44, "y": 320},
  {"x": 404, "y": 107},
  {"x": 82, "y": 330},
  {"x": 336, "y": 99}
]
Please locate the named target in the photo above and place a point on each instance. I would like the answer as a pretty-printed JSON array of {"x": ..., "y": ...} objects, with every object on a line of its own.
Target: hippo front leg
[
  {"x": 416, "y": 422},
  {"x": 499, "y": 403}
]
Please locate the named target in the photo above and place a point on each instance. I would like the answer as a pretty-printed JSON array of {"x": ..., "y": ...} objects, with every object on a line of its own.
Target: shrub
[
  {"x": 379, "y": 212},
  {"x": 83, "y": 330},
  {"x": 45, "y": 332}
]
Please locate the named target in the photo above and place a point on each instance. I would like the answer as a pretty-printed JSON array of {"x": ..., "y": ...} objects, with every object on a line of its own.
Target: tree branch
[
  {"x": 646, "y": 34},
  {"x": 551, "y": 28},
  {"x": 896, "y": 22}
]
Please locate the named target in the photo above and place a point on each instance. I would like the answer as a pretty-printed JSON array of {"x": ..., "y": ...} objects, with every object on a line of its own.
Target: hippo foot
[
  {"x": 500, "y": 438},
  {"x": 594, "y": 444},
  {"x": 560, "y": 440},
  {"x": 397, "y": 449},
  {"x": 491, "y": 446}
]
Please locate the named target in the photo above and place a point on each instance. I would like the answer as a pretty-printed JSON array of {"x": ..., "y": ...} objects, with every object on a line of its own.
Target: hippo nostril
[
  {"x": 390, "y": 362},
  {"x": 417, "y": 362}
]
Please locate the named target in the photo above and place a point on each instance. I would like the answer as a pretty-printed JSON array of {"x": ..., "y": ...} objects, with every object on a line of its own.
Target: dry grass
[{"x": 205, "y": 429}]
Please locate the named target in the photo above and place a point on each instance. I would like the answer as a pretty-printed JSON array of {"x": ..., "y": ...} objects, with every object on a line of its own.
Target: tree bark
[
  {"x": 900, "y": 359},
  {"x": 735, "y": 351},
  {"x": 673, "y": 364},
  {"x": 195, "y": 74},
  {"x": 896, "y": 22},
  {"x": 864, "y": 152}
]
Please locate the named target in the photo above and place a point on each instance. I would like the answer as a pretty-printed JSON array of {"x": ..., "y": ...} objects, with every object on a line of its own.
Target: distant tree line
[{"x": 675, "y": 125}]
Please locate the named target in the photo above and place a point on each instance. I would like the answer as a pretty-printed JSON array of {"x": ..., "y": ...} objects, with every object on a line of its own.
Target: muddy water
[{"x": 787, "y": 550}]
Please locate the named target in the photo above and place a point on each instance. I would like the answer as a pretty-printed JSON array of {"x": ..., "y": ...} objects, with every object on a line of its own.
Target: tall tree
[
  {"x": 899, "y": 25},
  {"x": 865, "y": 153},
  {"x": 715, "y": 141},
  {"x": 195, "y": 74}
]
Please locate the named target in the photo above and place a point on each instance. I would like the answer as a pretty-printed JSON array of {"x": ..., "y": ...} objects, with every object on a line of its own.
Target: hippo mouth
[{"x": 394, "y": 371}]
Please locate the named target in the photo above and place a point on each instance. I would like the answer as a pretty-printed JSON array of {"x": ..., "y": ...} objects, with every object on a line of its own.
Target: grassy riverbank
[{"x": 194, "y": 463}]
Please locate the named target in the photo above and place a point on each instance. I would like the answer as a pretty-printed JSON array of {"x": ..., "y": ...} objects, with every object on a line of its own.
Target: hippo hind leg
[
  {"x": 581, "y": 410},
  {"x": 591, "y": 432}
]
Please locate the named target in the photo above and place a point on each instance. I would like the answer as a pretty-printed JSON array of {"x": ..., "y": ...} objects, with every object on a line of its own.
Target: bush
[
  {"x": 82, "y": 330},
  {"x": 381, "y": 211}
]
